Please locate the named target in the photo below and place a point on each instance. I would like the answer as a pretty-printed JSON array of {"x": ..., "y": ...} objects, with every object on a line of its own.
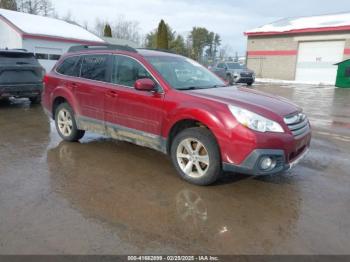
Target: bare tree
[
  {"x": 121, "y": 28},
  {"x": 69, "y": 19},
  {"x": 36, "y": 7},
  {"x": 8, "y": 4},
  {"x": 225, "y": 51}
]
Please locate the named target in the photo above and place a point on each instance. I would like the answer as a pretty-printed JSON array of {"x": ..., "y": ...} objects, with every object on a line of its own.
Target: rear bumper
[
  {"x": 250, "y": 165},
  {"x": 21, "y": 90}
]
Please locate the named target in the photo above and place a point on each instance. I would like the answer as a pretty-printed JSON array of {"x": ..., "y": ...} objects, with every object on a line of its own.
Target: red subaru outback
[{"x": 174, "y": 105}]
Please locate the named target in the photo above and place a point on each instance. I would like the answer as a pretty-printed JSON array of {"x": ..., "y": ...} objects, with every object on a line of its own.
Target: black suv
[
  {"x": 20, "y": 75},
  {"x": 234, "y": 72}
]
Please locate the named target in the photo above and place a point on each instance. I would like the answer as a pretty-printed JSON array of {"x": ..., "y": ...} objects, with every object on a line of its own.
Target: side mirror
[{"x": 145, "y": 84}]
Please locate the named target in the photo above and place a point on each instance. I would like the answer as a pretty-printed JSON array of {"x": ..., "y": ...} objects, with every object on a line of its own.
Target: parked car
[
  {"x": 233, "y": 73},
  {"x": 172, "y": 104},
  {"x": 20, "y": 75}
]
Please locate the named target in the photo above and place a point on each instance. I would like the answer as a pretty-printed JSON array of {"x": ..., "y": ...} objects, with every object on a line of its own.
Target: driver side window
[{"x": 127, "y": 70}]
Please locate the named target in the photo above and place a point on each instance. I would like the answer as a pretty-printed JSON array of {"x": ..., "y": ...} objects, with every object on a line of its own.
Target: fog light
[{"x": 267, "y": 163}]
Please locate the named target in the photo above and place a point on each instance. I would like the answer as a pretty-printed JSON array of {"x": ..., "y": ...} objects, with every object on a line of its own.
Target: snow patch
[
  {"x": 288, "y": 24},
  {"x": 278, "y": 81},
  {"x": 46, "y": 26}
]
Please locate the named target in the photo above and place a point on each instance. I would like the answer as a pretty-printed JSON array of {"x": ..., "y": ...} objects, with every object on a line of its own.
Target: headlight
[{"x": 255, "y": 121}]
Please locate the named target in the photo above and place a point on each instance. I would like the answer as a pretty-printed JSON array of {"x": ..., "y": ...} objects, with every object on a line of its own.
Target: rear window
[
  {"x": 17, "y": 58},
  {"x": 95, "y": 67},
  {"x": 70, "y": 66}
]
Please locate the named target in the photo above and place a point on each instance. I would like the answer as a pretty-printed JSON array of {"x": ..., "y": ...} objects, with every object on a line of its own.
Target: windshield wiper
[
  {"x": 200, "y": 87},
  {"x": 189, "y": 88},
  {"x": 215, "y": 86}
]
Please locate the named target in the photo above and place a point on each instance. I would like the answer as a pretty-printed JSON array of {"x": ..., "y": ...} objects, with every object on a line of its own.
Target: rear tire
[
  {"x": 66, "y": 125},
  {"x": 196, "y": 156}
]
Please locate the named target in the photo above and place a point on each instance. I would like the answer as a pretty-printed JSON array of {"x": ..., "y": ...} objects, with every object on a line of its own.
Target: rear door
[{"x": 90, "y": 89}]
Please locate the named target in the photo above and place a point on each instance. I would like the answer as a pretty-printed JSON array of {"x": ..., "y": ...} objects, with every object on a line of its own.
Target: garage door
[
  {"x": 316, "y": 61},
  {"x": 48, "y": 57}
]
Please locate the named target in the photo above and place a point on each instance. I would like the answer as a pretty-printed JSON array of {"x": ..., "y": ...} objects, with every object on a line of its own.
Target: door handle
[{"x": 112, "y": 94}]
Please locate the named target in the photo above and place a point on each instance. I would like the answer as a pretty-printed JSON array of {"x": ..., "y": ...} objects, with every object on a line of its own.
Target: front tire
[
  {"x": 230, "y": 79},
  {"x": 66, "y": 125},
  {"x": 196, "y": 156}
]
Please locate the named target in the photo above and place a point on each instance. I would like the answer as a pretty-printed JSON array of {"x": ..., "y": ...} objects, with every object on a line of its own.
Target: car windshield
[
  {"x": 235, "y": 66},
  {"x": 183, "y": 73}
]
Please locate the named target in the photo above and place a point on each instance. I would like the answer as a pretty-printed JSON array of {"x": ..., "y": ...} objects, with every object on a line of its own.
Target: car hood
[{"x": 249, "y": 99}]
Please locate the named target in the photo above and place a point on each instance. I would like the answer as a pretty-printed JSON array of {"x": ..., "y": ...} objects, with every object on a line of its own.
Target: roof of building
[
  {"x": 35, "y": 26},
  {"x": 309, "y": 24},
  {"x": 346, "y": 60}
]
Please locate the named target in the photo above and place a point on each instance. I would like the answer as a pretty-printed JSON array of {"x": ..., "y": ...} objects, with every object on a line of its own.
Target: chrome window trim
[
  {"x": 131, "y": 87},
  {"x": 110, "y": 83}
]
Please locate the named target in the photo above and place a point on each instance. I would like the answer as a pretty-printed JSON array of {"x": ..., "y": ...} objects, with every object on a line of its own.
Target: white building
[{"x": 47, "y": 38}]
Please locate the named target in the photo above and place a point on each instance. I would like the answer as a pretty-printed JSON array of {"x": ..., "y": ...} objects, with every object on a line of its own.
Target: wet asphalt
[{"x": 101, "y": 196}]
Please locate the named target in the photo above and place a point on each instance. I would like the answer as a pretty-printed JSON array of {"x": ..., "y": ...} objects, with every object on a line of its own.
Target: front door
[{"x": 131, "y": 114}]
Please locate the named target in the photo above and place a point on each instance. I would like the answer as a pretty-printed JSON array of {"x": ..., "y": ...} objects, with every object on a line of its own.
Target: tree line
[{"x": 199, "y": 44}]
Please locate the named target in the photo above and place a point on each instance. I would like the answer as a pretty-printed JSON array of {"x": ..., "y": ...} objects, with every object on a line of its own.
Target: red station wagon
[{"x": 174, "y": 105}]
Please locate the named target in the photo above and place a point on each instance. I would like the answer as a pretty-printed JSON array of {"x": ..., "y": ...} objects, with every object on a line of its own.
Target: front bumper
[
  {"x": 245, "y": 80},
  {"x": 21, "y": 90},
  {"x": 251, "y": 166}
]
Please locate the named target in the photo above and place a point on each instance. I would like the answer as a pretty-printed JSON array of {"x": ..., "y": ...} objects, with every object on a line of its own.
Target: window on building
[
  {"x": 54, "y": 57},
  {"x": 70, "y": 66},
  {"x": 41, "y": 56},
  {"x": 127, "y": 70},
  {"x": 347, "y": 71},
  {"x": 94, "y": 67}
]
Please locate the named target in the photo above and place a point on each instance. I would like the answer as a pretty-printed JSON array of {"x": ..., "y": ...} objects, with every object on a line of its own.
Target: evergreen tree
[
  {"x": 162, "y": 36},
  {"x": 8, "y": 4},
  {"x": 107, "y": 31}
]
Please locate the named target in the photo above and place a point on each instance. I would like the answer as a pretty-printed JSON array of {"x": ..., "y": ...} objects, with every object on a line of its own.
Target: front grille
[
  {"x": 246, "y": 74},
  {"x": 298, "y": 124},
  {"x": 295, "y": 154}
]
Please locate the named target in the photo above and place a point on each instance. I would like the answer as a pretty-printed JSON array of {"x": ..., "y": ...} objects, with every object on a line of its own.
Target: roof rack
[{"x": 78, "y": 48}]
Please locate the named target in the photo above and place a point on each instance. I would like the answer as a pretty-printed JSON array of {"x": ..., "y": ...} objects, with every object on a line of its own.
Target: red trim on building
[
  {"x": 301, "y": 31},
  {"x": 273, "y": 53},
  {"x": 347, "y": 51},
  {"x": 61, "y": 39}
]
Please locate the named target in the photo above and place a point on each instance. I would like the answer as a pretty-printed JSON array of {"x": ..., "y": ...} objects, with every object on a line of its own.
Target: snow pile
[
  {"x": 45, "y": 26},
  {"x": 288, "y": 24},
  {"x": 278, "y": 81}
]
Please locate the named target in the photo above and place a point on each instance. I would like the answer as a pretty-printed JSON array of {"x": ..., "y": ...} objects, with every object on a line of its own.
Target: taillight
[{"x": 45, "y": 79}]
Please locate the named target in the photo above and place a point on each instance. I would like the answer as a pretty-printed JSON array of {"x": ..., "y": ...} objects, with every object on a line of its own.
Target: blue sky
[{"x": 228, "y": 18}]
